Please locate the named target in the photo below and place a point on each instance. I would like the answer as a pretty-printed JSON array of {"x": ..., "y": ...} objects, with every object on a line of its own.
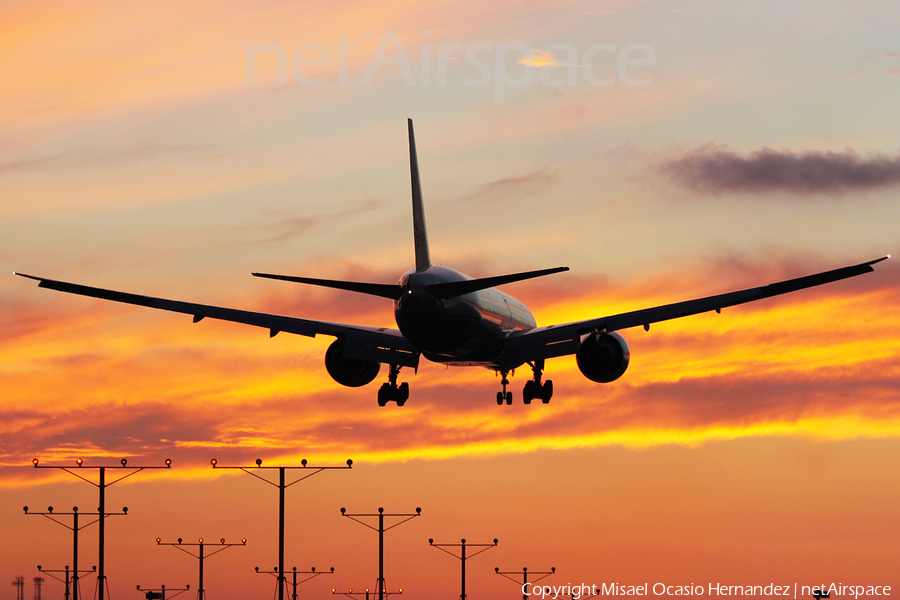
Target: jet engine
[
  {"x": 348, "y": 371},
  {"x": 602, "y": 357}
]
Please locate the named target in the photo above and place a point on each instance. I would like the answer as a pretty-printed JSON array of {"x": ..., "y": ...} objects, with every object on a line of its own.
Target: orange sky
[{"x": 755, "y": 446}]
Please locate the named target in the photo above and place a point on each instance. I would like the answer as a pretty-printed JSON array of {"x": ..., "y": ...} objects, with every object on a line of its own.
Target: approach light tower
[
  {"x": 67, "y": 580},
  {"x": 101, "y": 485},
  {"x": 282, "y": 486},
  {"x": 75, "y": 528},
  {"x": 160, "y": 592},
  {"x": 462, "y": 556},
  {"x": 312, "y": 575},
  {"x": 524, "y": 573},
  {"x": 181, "y": 545}
]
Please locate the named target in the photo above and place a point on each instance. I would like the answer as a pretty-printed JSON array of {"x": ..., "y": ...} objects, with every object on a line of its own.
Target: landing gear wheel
[
  {"x": 499, "y": 398},
  {"x": 536, "y": 389},
  {"x": 528, "y": 394},
  {"x": 385, "y": 393},
  {"x": 390, "y": 391},
  {"x": 547, "y": 392},
  {"x": 509, "y": 397}
]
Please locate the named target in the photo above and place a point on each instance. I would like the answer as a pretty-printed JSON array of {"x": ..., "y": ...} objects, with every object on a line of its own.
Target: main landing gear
[
  {"x": 391, "y": 392},
  {"x": 533, "y": 388},
  {"x": 536, "y": 389}
]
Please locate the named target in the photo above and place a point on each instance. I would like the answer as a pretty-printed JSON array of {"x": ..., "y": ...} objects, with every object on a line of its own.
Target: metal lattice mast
[{"x": 19, "y": 583}]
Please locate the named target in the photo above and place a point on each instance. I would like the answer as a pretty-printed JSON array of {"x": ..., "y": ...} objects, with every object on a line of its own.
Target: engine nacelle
[
  {"x": 602, "y": 358},
  {"x": 348, "y": 371}
]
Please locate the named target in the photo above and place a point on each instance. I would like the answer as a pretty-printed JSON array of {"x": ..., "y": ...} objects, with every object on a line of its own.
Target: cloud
[
  {"x": 538, "y": 58},
  {"x": 286, "y": 226},
  {"x": 889, "y": 73},
  {"x": 516, "y": 186},
  {"x": 716, "y": 170},
  {"x": 92, "y": 157},
  {"x": 800, "y": 365}
]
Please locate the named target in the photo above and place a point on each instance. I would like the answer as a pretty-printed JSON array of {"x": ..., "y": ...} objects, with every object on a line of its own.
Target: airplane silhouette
[{"x": 451, "y": 318}]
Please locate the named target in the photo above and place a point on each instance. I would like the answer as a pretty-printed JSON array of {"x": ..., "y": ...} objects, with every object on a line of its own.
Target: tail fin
[{"x": 423, "y": 260}]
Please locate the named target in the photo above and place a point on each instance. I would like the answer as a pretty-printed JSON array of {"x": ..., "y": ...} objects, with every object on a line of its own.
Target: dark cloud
[{"x": 714, "y": 169}]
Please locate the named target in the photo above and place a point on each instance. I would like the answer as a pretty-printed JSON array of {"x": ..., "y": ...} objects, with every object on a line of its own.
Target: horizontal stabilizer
[
  {"x": 452, "y": 289},
  {"x": 384, "y": 290}
]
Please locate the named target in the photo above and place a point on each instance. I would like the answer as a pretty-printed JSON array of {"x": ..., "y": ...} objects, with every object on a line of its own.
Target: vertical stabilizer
[{"x": 423, "y": 260}]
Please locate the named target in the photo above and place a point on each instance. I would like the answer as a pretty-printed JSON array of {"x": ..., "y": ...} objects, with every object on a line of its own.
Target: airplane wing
[
  {"x": 380, "y": 344},
  {"x": 560, "y": 340}
]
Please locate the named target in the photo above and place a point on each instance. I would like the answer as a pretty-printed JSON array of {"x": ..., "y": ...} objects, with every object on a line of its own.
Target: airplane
[{"x": 451, "y": 318}]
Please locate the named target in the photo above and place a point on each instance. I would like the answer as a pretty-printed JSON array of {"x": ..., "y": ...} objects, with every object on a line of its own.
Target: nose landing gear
[
  {"x": 391, "y": 392},
  {"x": 536, "y": 389},
  {"x": 504, "y": 395}
]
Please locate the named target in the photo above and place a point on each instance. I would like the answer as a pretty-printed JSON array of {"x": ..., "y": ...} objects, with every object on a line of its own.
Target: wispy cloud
[
  {"x": 90, "y": 157},
  {"x": 716, "y": 169},
  {"x": 515, "y": 186},
  {"x": 538, "y": 58},
  {"x": 889, "y": 73}
]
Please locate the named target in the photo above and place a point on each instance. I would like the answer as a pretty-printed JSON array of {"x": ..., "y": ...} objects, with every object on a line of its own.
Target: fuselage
[{"x": 466, "y": 329}]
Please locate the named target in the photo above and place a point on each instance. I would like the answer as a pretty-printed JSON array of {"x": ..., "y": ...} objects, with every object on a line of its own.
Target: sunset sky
[{"x": 662, "y": 149}]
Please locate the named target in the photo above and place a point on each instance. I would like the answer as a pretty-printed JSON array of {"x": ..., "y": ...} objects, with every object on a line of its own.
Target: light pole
[
  {"x": 282, "y": 486},
  {"x": 101, "y": 485},
  {"x": 160, "y": 592},
  {"x": 74, "y": 528},
  {"x": 381, "y": 529},
  {"x": 67, "y": 581},
  {"x": 312, "y": 575},
  {"x": 181, "y": 545},
  {"x": 366, "y": 594},
  {"x": 524, "y": 574},
  {"x": 462, "y": 556}
]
